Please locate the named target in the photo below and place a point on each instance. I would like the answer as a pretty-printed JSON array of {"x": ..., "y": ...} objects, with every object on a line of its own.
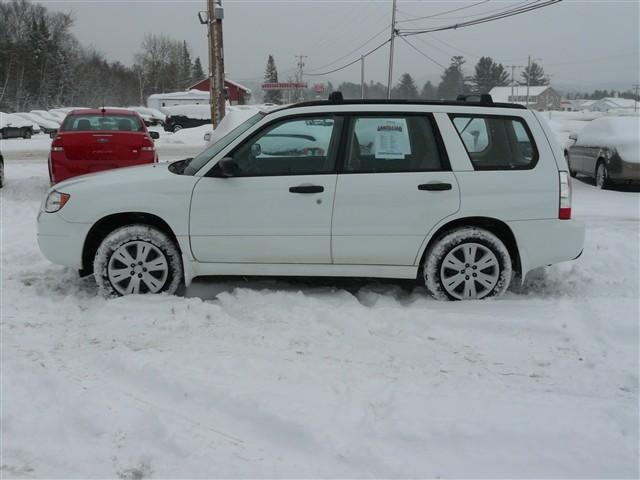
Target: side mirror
[
  {"x": 154, "y": 135},
  {"x": 574, "y": 137},
  {"x": 256, "y": 149},
  {"x": 228, "y": 167}
]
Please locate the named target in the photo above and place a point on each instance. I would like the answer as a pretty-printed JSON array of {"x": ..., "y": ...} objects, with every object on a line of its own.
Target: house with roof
[
  {"x": 540, "y": 98},
  {"x": 613, "y": 103},
  {"x": 235, "y": 93}
]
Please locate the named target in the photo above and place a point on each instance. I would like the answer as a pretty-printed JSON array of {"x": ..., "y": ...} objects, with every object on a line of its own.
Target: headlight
[{"x": 55, "y": 201}]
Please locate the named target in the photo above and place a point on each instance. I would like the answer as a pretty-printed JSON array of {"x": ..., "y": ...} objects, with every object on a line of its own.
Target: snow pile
[
  {"x": 202, "y": 112},
  {"x": 619, "y": 133},
  {"x": 12, "y": 120},
  {"x": 189, "y": 136}
]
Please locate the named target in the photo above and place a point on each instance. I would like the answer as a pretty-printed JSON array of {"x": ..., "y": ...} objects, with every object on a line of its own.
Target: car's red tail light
[
  {"x": 56, "y": 145},
  {"x": 564, "y": 212},
  {"x": 147, "y": 145}
]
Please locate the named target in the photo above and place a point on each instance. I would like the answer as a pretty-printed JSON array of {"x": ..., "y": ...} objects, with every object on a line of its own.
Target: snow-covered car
[
  {"x": 57, "y": 118},
  {"x": 151, "y": 116},
  {"x": 186, "y": 116},
  {"x": 46, "y": 126},
  {"x": 13, "y": 126},
  {"x": 608, "y": 150},
  {"x": 379, "y": 188}
]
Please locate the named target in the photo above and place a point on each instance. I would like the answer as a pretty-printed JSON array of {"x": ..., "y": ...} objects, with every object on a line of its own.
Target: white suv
[{"x": 464, "y": 196}]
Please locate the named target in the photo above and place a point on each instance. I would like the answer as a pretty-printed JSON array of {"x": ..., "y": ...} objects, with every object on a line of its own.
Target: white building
[
  {"x": 540, "y": 98},
  {"x": 613, "y": 103}
]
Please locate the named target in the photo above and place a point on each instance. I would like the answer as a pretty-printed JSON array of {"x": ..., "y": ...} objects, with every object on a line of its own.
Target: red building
[{"x": 236, "y": 94}]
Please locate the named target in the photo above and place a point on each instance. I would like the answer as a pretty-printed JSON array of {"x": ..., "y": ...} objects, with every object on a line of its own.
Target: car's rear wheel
[
  {"x": 177, "y": 128},
  {"x": 602, "y": 175},
  {"x": 467, "y": 263},
  {"x": 137, "y": 259},
  {"x": 26, "y": 134}
]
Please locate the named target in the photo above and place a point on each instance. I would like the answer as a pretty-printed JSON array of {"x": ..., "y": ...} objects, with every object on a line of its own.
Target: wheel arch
[
  {"x": 499, "y": 228},
  {"x": 109, "y": 223}
]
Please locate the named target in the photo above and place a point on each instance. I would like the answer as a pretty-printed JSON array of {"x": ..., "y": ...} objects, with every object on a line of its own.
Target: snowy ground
[{"x": 273, "y": 378}]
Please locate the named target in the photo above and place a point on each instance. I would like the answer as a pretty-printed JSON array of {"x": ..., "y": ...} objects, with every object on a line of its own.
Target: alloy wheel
[
  {"x": 138, "y": 267},
  {"x": 470, "y": 271}
]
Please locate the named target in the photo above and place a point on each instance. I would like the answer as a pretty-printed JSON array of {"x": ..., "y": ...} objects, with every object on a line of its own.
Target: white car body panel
[{"x": 362, "y": 224}]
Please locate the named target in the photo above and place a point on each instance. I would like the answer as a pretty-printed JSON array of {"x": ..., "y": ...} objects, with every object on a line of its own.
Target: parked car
[
  {"x": 385, "y": 189},
  {"x": 1, "y": 170},
  {"x": 186, "y": 116},
  {"x": 101, "y": 139},
  {"x": 151, "y": 116},
  {"x": 12, "y": 126},
  {"x": 57, "y": 117},
  {"x": 46, "y": 126},
  {"x": 608, "y": 150}
]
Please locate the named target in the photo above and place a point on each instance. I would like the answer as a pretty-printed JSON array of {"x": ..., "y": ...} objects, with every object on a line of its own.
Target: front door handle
[
  {"x": 307, "y": 189},
  {"x": 435, "y": 186}
]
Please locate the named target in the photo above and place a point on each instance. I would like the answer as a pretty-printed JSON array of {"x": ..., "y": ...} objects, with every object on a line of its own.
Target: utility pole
[
  {"x": 299, "y": 74},
  {"x": 528, "y": 78},
  {"x": 362, "y": 77},
  {"x": 636, "y": 88},
  {"x": 215, "y": 14},
  {"x": 513, "y": 81},
  {"x": 393, "y": 35}
]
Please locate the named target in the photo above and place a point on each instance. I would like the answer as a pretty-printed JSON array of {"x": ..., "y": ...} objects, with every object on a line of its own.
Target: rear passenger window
[
  {"x": 393, "y": 144},
  {"x": 496, "y": 143}
]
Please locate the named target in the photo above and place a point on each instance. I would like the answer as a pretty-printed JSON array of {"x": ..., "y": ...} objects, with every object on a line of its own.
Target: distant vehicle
[
  {"x": 151, "y": 116},
  {"x": 455, "y": 195},
  {"x": 1, "y": 171},
  {"x": 101, "y": 139},
  {"x": 58, "y": 117},
  {"x": 46, "y": 126},
  {"x": 608, "y": 150},
  {"x": 186, "y": 116},
  {"x": 12, "y": 126}
]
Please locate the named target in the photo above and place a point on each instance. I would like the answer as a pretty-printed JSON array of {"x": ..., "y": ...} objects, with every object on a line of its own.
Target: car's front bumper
[{"x": 60, "y": 241}]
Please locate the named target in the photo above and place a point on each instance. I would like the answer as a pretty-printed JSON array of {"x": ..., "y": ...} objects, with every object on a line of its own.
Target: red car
[{"x": 94, "y": 140}]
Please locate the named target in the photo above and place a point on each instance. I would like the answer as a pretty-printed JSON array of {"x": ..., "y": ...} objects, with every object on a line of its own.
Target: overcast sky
[{"x": 588, "y": 44}]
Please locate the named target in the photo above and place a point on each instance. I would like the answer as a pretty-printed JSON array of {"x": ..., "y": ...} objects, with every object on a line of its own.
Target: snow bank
[{"x": 619, "y": 133}]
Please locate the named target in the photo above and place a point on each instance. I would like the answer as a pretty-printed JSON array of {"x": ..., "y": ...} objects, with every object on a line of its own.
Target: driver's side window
[{"x": 300, "y": 146}]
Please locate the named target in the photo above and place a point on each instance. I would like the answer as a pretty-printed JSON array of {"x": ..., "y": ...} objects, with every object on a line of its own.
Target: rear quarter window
[
  {"x": 101, "y": 123},
  {"x": 496, "y": 142}
]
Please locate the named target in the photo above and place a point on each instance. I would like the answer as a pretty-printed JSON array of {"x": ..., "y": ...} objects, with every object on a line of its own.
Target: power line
[
  {"x": 478, "y": 21},
  {"x": 422, "y": 53},
  {"x": 350, "y": 63},
  {"x": 444, "y": 13},
  {"x": 458, "y": 17}
]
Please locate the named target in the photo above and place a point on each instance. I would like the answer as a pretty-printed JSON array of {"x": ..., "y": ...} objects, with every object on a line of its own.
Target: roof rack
[{"x": 477, "y": 100}]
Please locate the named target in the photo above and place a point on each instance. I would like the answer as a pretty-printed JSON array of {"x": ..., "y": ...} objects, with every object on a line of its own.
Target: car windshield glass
[
  {"x": 101, "y": 123},
  {"x": 201, "y": 160}
]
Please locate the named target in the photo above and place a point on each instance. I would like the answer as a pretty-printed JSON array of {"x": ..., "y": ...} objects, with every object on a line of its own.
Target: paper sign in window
[{"x": 392, "y": 139}]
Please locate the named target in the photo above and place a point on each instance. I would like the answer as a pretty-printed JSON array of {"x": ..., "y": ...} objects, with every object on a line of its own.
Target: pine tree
[
  {"x": 185, "y": 66},
  {"x": 535, "y": 74},
  {"x": 405, "y": 89},
  {"x": 271, "y": 76},
  {"x": 452, "y": 83},
  {"x": 428, "y": 91},
  {"x": 197, "y": 73},
  {"x": 489, "y": 74}
]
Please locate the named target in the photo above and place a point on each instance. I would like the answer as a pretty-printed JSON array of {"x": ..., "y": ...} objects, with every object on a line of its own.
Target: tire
[
  {"x": 177, "y": 128},
  {"x": 26, "y": 135},
  {"x": 1, "y": 172},
  {"x": 157, "y": 265},
  {"x": 602, "y": 175},
  {"x": 455, "y": 257}
]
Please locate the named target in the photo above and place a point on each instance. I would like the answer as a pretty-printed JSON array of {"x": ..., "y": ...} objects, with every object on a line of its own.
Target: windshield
[{"x": 201, "y": 160}]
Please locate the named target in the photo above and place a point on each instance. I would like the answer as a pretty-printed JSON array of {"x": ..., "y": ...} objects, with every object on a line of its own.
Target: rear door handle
[
  {"x": 435, "y": 186},
  {"x": 307, "y": 189}
]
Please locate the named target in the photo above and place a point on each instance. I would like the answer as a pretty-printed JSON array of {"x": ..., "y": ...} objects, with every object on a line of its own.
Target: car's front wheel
[
  {"x": 137, "y": 259},
  {"x": 467, "y": 263},
  {"x": 26, "y": 134},
  {"x": 602, "y": 175},
  {"x": 177, "y": 128}
]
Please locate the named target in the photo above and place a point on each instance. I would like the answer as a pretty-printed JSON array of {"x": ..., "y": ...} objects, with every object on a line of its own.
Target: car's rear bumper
[
  {"x": 545, "y": 242},
  {"x": 61, "y": 242}
]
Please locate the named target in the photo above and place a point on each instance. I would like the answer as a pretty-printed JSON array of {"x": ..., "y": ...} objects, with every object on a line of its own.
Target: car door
[
  {"x": 276, "y": 208},
  {"x": 394, "y": 187}
]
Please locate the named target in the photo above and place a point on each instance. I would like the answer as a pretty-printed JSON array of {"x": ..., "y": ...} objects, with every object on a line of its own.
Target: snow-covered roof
[
  {"x": 191, "y": 94},
  {"x": 226, "y": 80},
  {"x": 502, "y": 94},
  {"x": 616, "y": 102}
]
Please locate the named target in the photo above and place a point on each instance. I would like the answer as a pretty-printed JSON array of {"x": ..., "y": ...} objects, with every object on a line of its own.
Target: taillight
[
  {"x": 147, "y": 144},
  {"x": 56, "y": 145},
  {"x": 564, "y": 212}
]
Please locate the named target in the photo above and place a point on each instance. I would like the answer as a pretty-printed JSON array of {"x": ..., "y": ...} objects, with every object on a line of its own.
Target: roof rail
[{"x": 477, "y": 100}]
